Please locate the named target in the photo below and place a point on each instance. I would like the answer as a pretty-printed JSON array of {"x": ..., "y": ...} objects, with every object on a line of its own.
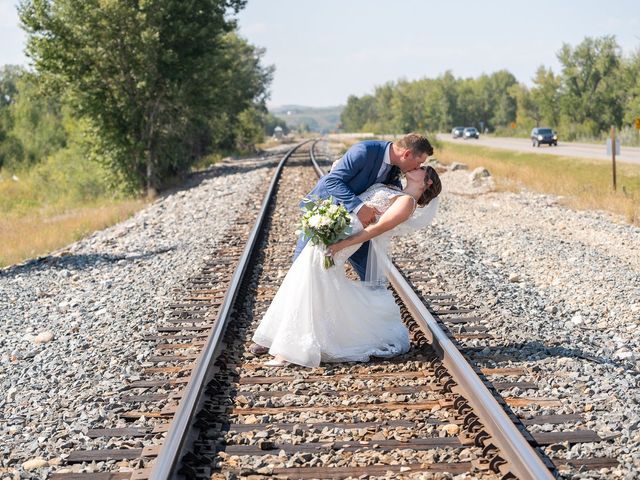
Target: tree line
[
  {"x": 146, "y": 88},
  {"x": 597, "y": 87}
]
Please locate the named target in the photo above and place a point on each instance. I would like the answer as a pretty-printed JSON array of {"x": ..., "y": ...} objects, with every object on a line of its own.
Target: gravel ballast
[
  {"x": 72, "y": 324},
  {"x": 560, "y": 292},
  {"x": 559, "y": 288}
]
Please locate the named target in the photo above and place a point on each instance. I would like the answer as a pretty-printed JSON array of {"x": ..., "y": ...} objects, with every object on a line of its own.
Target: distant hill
[{"x": 318, "y": 119}]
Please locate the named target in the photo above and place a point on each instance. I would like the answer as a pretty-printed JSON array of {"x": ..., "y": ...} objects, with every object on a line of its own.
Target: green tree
[
  {"x": 383, "y": 121},
  {"x": 469, "y": 103},
  {"x": 37, "y": 121},
  {"x": 271, "y": 122},
  {"x": 528, "y": 111},
  {"x": 151, "y": 76},
  {"x": 546, "y": 95},
  {"x": 503, "y": 104},
  {"x": 241, "y": 87},
  {"x": 249, "y": 129},
  {"x": 10, "y": 147},
  {"x": 358, "y": 112},
  {"x": 631, "y": 79},
  {"x": 9, "y": 76},
  {"x": 590, "y": 84},
  {"x": 405, "y": 107},
  {"x": 446, "y": 100}
]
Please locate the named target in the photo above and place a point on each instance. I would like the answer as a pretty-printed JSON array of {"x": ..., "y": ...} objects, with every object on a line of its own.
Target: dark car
[
  {"x": 457, "y": 132},
  {"x": 543, "y": 135},
  {"x": 470, "y": 132}
]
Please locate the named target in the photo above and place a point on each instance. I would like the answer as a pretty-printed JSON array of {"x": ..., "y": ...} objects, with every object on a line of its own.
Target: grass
[
  {"x": 54, "y": 203},
  {"x": 39, "y": 232},
  {"x": 583, "y": 184}
]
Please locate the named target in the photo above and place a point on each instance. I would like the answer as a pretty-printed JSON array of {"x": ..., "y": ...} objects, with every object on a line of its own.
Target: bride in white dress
[{"x": 320, "y": 315}]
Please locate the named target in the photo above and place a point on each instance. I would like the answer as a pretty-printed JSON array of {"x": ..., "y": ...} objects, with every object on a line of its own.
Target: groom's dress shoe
[{"x": 258, "y": 349}]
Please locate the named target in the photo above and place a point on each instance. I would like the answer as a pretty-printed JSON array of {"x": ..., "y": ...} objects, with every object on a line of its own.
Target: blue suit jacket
[{"x": 356, "y": 171}]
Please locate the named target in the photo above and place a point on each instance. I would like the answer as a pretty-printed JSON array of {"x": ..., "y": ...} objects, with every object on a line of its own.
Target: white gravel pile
[
  {"x": 561, "y": 292},
  {"x": 72, "y": 326}
]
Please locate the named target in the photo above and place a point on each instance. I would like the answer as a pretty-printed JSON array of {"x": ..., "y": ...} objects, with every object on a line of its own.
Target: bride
[{"x": 319, "y": 314}]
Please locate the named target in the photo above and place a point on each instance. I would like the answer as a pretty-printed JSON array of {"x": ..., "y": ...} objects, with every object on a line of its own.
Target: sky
[{"x": 326, "y": 50}]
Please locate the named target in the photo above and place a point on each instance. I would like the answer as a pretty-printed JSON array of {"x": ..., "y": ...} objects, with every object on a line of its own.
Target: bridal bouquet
[{"x": 324, "y": 223}]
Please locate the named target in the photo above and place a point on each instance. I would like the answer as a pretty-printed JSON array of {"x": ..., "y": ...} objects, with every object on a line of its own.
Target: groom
[{"x": 364, "y": 164}]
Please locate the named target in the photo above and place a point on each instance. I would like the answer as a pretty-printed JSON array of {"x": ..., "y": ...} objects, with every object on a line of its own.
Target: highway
[{"x": 567, "y": 149}]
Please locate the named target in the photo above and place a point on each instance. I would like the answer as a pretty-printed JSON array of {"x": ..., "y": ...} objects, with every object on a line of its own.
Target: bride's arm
[{"x": 398, "y": 212}]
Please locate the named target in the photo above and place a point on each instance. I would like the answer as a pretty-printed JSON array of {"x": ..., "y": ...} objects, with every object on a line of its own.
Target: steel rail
[
  {"x": 168, "y": 460},
  {"x": 313, "y": 159},
  {"x": 524, "y": 462}
]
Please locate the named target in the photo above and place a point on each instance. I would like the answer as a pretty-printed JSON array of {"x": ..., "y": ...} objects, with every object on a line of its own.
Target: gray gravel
[
  {"x": 72, "y": 324},
  {"x": 560, "y": 291}
]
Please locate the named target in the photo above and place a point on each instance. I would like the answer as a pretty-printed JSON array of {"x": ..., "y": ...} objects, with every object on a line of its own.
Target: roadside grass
[
  {"x": 54, "y": 203},
  {"x": 39, "y": 232},
  {"x": 271, "y": 143},
  {"x": 584, "y": 184}
]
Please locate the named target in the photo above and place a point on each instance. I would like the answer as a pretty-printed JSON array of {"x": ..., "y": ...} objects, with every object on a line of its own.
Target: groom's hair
[{"x": 417, "y": 143}]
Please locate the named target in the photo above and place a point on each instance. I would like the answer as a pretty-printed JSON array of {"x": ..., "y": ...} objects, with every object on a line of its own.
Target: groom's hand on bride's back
[{"x": 367, "y": 215}]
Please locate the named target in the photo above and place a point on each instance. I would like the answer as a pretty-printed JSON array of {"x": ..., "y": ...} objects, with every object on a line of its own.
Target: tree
[
  {"x": 528, "y": 111},
  {"x": 446, "y": 101},
  {"x": 590, "y": 84},
  {"x": 241, "y": 86},
  {"x": 384, "y": 120},
  {"x": 151, "y": 76},
  {"x": 503, "y": 108},
  {"x": 10, "y": 147},
  {"x": 631, "y": 79},
  {"x": 357, "y": 113},
  {"x": 405, "y": 107},
  {"x": 37, "y": 121},
  {"x": 9, "y": 76},
  {"x": 249, "y": 129},
  {"x": 271, "y": 122},
  {"x": 546, "y": 95},
  {"x": 469, "y": 103}
]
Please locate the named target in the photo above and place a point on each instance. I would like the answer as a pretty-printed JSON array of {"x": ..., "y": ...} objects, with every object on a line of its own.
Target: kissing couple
[{"x": 320, "y": 315}]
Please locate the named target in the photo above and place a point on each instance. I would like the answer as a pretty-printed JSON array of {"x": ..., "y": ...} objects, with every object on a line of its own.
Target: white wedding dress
[{"x": 320, "y": 315}]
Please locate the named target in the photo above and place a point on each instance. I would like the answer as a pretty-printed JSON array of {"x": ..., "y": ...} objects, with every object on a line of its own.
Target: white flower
[
  {"x": 325, "y": 221},
  {"x": 315, "y": 221},
  {"x": 333, "y": 209}
]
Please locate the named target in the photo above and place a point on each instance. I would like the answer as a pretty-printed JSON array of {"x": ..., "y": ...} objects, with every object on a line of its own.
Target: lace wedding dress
[{"x": 319, "y": 314}]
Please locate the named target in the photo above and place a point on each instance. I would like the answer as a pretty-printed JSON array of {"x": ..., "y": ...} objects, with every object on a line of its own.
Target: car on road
[
  {"x": 457, "y": 132},
  {"x": 543, "y": 135},
  {"x": 470, "y": 132}
]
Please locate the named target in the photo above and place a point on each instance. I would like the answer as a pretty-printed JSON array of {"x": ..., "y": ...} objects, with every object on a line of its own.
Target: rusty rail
[
  {"x": 522, "y": 459},
  {"x": 168, "y": 461}
]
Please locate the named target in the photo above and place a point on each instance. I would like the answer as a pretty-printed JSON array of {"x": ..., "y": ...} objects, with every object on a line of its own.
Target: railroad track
[{"x": 426, "y": 412}]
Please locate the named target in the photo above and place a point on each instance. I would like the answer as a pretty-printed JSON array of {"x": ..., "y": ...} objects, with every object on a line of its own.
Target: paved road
[{"x": 581, "y": 150}]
